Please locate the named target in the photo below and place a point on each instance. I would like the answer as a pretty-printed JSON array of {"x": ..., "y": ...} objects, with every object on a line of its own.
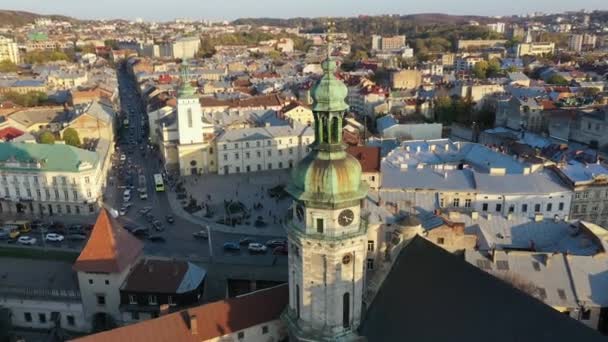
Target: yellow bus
[
  {"x": 13, "y": 231},
  {"x": 22, "y": 225},
  {"x": 159, "y": 185}
]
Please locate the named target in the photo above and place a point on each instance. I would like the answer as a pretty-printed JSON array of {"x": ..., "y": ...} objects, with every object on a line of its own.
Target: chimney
[
  {"x": 447, "y": 147},
  {"x": 164, "y": 309},
  {"x": 193, "y": 325},
  {"x": 474, "y": 215},
  {"x": 417, "y": 148}
]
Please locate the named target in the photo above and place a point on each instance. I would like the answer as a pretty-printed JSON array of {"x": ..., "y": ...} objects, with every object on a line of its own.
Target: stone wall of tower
[
  {"x": 189, "y": 121},
  {"x": 317, "y": 268}
]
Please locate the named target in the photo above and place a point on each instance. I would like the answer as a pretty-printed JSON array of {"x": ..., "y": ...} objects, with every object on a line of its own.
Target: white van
[{"x": 126, "y": 196}]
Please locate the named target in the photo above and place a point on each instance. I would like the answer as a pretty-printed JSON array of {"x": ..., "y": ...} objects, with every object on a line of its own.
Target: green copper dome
[
  {"x": 329, "y": 93},
  {"x": 186, "y": 89},
  {"x": 328, "y": 177}
]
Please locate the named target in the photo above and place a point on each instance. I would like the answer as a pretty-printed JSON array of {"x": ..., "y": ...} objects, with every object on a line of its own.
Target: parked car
[
  {"x": 156, "y": 238},
  {"x": 276, "y": 243},
  {"x": 231, "y": 246},
  {"x": 76, "y": 237},
  {"x": 4, "y": 235},
  {"x": 280, "y": 250},
  {"x": 201, "y": 234},
  {"x": 246, "y": 241},
  {"x": 123, "y": 157},
  {"x": 256, "y": 247},
  {"x": 140, "y": 231},
  {"x": 158, "y": 226},
  {"x": 144, "y": 210},
  {"x": 53, "y": 237},
  {"x": 26, "y": 240},
  {"x": 170, "y": 219},
  {"x": 76, "y": 229}
]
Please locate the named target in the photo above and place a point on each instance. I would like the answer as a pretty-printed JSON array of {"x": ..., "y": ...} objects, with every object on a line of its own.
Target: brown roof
[
  {"x": 110, "y": 248},
  {"x": 256, "y": 101},
  {"x": 212, "y": 320},
  {"x": 292, "y": 105},
  {"x": 368, "y": 156},
  {"x": 160, "y": 276}
]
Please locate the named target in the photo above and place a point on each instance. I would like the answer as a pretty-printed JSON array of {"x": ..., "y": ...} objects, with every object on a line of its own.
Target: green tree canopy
[
  {"x": 8, "y": 66},
  {"x": 41, "y": 56},
  {"x": 70, "y": 136},
  {"x": 557, "y": 80},
  {"x": 47, "y": 138},
  {"x": 493, "y": 68},
  {"x": 30, "y": 99},
  {"x": 480, "y": 70}
]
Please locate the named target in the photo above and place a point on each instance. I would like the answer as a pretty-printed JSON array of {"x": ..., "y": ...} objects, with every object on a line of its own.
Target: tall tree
[
  {"x": 70, "y": 136},
  {"x": 47, "y": 138}
]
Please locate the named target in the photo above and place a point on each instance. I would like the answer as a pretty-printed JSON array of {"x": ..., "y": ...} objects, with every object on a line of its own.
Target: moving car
[
  {"x": 246, "y": 241},
  {"x": 26, "y": 240},
  {"x": 156, "y": 238},
  {"x": 280, "y": 250},
  {"x": 231, "y": 246},
  {"x": 170, "y": 219},
  {"x": 276, "y": 243},
  {"x": 53, "y": 237},
  {"x": 201, "y": 234},
  {"x": 126, "y": 195},
  {"x": 256, "y": 247},
  {"x": 76, "y": 237},
  {"x": 123, "y": 157}
]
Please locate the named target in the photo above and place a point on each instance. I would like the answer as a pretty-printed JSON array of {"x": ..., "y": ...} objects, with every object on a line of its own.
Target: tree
[
  {"x": 480, "y": 70},
  {"x": 40, "y": 57},
  {"x": 360, "y": 55},
  {"x": 70, "y": 136},
  {"x": 557, "y": 80},
  {"x": 8, "y": 66},
  {"x": 493, "y": 68},
  {"x": 47, "y": 138},
  {"x": 30, "y": 99}
]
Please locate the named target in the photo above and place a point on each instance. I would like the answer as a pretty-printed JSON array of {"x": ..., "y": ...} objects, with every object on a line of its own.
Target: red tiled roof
[
  {"x": 10, "y": 133},
  {"x": 257, "y": 101},
  {"x": 212, "y": 320},
  {"x": 110, "y": 248},
  {"x": 368, "y": 156}
]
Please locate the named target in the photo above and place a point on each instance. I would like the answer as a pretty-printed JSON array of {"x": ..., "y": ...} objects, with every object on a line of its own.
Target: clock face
[
  {"x": 346, "y": 259},
  {"x": 300, "y": 212},
  {"x": 346, "y": 217}
]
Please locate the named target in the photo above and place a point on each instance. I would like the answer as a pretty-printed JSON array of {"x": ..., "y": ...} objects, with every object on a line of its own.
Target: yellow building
[{"x": 297, "y": 112}]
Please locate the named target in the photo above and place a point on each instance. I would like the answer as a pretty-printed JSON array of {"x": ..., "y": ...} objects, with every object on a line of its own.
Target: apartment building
[
  {"x": 535, "y": 49},
  {"x": 9, "y": 50},
  {"x": 53, "y": 179},
  {"x": 262, "y": 148}
]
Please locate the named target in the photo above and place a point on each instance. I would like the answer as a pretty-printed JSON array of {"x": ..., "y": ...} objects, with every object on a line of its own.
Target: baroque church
[{"x": 428, "y": 294}]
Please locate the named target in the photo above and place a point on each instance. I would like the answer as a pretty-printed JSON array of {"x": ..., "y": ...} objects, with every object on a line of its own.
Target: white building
[
  {"x": 52, "y": 179},
  {"x": 9, "y": 50},
  {"x": 185, "y": 48},
  {"x": 262, "y": 148}
]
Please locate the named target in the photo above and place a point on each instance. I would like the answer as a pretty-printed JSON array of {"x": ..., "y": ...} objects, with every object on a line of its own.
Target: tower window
[
  {"x": 319, "y": 225},
  {"x": 189, "y": 117},
  {"x": 298, "y": 301},
  {"x": 346, "y": 310}
]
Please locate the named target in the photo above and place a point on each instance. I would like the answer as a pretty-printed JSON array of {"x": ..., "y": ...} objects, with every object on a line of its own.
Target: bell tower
[
  {"x": 189, "y": 112},
  {"x": 327, "y": 236}
]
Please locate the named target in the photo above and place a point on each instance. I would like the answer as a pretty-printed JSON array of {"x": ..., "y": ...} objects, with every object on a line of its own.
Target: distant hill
[{"x": 20, "y": 18}]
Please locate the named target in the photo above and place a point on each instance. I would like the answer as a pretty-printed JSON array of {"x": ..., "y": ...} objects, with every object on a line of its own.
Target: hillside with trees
[{"x": 20, "y": 18}]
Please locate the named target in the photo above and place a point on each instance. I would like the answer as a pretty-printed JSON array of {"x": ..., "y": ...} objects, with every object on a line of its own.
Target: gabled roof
[
  {"x": 368, "y": 156},
  {"x": 433, "y": 295},
  {"x": 164, "y": 276},
  {"x": 212, "y": 320},
  {"x": 110, "y": 248}
]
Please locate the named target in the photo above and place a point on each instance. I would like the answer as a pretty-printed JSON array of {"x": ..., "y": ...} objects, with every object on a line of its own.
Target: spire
[{"x": 185, "y": 90}]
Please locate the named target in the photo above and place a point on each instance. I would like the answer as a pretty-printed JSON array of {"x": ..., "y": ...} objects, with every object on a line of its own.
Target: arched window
[
  {"x": 335, "y": 130},
  {"x": 298, "y": 301},
  {"x": 346, "y": 310}
]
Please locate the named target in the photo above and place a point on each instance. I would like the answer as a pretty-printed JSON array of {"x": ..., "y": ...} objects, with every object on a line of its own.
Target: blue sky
[{"x": 232, "y": 9}]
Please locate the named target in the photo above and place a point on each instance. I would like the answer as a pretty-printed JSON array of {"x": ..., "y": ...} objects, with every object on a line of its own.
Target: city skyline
[{"x": 235, "y": 9}]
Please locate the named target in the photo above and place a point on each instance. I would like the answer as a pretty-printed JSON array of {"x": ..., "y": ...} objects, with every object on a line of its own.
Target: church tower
[
  {"x": 327, "y": 236},
  {"x": 189, "y": 112}
]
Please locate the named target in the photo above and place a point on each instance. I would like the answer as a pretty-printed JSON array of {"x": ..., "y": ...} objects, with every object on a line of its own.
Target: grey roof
[
  {"x": 37, "y": 274},
  {"x": 590, "y": 278},
  {"x": 393, "y": 177},
  {"x": 580, "y": 173},
  {"x": 432, "y": 295},
  {"x": 546, "y": 271},
  {"x": 28, "y": 117},
  {"x": 539, "y": 182},
  {"x": 256, "y": 133}
]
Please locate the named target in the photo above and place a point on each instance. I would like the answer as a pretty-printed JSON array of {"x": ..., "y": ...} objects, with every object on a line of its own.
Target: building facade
[{"x": 9, "y": 50}]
